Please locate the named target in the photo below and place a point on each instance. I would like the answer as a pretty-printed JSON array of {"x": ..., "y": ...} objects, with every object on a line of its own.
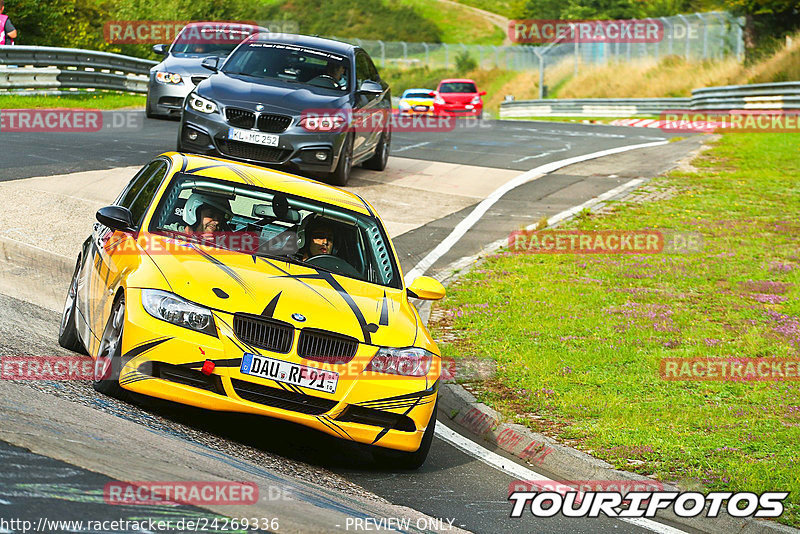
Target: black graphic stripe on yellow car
[
  {"x": 333, "y": 426},
  {"x": 366, "y": 328},
  {"x": 141, "y": 348},
  {"x": 384, "y": 320},
  {"x": 287, "y": 274},
  {"x": 387, "y": 429},
  {"x": 130, "y": 378},
  {"x": 241, "y": 173},
  {"x": 417, "y": 394},
  {"x": 269, "y": 310},
  {"x": 396, "y": 405},
  {"x": 230, "y": 272}
]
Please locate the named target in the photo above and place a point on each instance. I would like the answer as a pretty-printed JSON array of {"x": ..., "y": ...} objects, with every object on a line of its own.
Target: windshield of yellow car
[{"x": 268, "y": 223}]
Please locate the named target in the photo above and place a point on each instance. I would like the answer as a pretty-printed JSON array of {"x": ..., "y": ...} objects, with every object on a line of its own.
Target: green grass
[
  {"x": 85, "y": 100},
  {"x": 501, "y": 7},
  {"x": 578, "y": 339},
  {"x": 456, "y": 24}
]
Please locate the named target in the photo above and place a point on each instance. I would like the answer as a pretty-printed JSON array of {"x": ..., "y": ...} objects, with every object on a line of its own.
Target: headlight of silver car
[
  {"x": 203, "y": 105},
  {"x": 168, "y": 78},
  {"x": 173, "y": 309},
  {"x": 410, "y": 361}
]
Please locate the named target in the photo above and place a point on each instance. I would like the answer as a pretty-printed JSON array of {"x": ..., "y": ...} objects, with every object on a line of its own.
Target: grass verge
[
  {"x": 579, "y": 339},
  {"x": 85, "y": 100}
]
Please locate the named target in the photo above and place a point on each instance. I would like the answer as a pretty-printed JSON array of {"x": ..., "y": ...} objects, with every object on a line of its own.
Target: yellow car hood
[
  {"x": 418, "y": 101},
  {"x": 235, "y": 282}
]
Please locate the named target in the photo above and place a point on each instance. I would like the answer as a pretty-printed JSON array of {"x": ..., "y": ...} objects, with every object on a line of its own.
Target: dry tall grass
[{"x": 672, "y": 76}]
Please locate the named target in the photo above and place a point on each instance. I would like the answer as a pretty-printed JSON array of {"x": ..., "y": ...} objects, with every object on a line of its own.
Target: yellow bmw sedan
[{"x": 235, "y": 288}]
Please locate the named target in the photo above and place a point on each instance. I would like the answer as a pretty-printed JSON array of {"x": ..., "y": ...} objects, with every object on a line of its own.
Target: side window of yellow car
[{"x": 142, "y": 189}]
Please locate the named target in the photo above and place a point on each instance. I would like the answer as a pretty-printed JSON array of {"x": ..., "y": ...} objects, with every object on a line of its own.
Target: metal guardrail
[
  {"x": 36, "y": 68},
  {"x": 783, "y": 95},
  {"x": 591, "y": 107}
]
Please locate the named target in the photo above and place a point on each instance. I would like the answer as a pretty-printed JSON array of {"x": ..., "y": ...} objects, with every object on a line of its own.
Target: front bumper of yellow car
[{"x": 164, "y": 360}]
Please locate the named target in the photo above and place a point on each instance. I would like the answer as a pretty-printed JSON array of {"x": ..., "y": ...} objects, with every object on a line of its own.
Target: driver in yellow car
[{"x": 319, "y": 240}]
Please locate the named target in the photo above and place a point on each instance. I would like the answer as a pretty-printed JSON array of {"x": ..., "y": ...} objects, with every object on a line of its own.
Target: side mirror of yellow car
[{"x": 426, "y": 288}]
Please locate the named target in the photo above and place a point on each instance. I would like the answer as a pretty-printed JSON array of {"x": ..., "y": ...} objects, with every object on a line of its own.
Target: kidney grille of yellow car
[{"x": 235, "y": 288}]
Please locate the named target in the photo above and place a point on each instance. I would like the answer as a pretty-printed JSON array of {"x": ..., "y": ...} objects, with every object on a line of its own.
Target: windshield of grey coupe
[
  {"x": 196, "y": 40},
  {"x": 297, "y": 64}
]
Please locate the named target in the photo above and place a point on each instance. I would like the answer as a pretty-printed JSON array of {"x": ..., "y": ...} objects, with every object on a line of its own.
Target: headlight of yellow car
[
  {"x": 411, "y": 361},
  {"x": 173, "y": 309}
]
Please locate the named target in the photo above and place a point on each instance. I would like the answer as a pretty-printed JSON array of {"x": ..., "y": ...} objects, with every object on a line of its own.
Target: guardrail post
[
  {"x": 426, "y": 52},
  {"x": 383, "y": 53},
  {"x": 705, "y": 34},
  {"x": 405, "y": 50},
  {"x": 446, "y": 55},
  {"x": 740, "y": 22},
  {"x": 666, "y": 21},
  {"x": 688, "y": 31},
  {"x": 496, "y": 57}
]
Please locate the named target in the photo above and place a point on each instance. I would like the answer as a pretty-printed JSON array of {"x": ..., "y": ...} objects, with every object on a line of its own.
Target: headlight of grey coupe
[
  {"x": 173, "y": 309},
  {"x": 203, "y": 105}
]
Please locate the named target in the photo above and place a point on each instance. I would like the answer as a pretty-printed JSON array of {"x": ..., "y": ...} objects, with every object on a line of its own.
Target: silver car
[{"x": 180, "y": 71}]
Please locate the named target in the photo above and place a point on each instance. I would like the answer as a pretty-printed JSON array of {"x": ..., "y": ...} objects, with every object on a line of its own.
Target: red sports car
[{"x": 458, "y": 97}]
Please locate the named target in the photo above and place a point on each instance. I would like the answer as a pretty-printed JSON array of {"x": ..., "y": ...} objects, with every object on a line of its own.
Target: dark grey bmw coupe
[{"x": 293, "y": 102}]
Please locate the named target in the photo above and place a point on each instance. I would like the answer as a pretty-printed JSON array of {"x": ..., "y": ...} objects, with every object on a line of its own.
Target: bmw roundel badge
[
  {"x": 260, "y": 107},
  {"x": 299, "y": 317}
]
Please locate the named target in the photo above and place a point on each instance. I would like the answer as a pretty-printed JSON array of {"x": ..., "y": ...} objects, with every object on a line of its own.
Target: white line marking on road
[
  {"x": 462, "y": 227},
  {"x": 402, "y": 148},
  {"x": 2, "y": 501},
  {"x": 521, "y": 472}
]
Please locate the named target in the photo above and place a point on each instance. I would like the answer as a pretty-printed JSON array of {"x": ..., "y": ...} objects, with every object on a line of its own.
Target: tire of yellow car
[
  {"x": 108, "y": 364},
  {"x": 67, "y": 334}
]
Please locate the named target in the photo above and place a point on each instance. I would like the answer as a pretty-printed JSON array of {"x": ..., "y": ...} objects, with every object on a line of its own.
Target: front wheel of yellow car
[
  {"x": 67, "y": 333},
  {"x": 108, "y": 364},
  {"x": 409, "y": 461}
]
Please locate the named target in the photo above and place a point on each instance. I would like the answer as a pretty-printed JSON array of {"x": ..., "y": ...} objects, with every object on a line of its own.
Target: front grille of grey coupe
[
  {"x": 327, "y": 347},
  {"x": 264, "y": 332},
  {"x": 238, "y": 149},
  {"x": 241, "y": 118},
  {"x": 273, "y": 123}
]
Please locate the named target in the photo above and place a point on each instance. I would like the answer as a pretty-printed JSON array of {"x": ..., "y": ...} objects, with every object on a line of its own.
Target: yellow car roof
[{"x": 244, "y": 173}]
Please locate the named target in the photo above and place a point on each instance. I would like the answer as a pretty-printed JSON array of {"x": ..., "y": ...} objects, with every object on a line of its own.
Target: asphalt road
[
  {"x": 451, "y": 484},
  {"x": 502, "y": 144}
]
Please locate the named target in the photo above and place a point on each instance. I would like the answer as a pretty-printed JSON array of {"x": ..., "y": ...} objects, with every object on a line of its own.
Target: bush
[{"x": 465, "y": 62}]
